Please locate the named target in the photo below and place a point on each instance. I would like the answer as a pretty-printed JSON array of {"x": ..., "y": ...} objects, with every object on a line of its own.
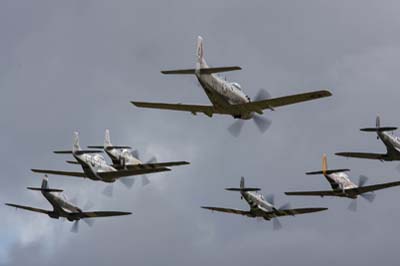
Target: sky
[{"x": 75, "y": 65}]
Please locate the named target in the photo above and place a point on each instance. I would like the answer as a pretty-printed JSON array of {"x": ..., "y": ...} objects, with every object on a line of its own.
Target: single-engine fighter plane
[
  {"x": 261, "y": 207},
  {"x": 96, "y": 168},
  {"x": 123, "y": 157},
  {"x": 227, "y": 98},
  {"x": 65, "y": 209},
  {"x": 342, "y": 186},
  {"x": 391, "y": 142}
]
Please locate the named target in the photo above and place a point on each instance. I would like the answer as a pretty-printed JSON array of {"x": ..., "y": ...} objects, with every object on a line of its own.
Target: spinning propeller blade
[{"x": 276, "y": 224}]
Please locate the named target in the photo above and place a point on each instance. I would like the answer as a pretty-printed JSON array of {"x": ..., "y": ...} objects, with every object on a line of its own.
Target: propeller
[
  {"x": 128, "y": 182},
  {"x": 261, "y": 122},
  {"x": 145, "y": 179},
  {"x": 89, "y": 222},
  {"x": 276, "y": 224},
  {"x": 108, "y": 191},
  {"x": 369, "y": 196},
  {"x": 75, "y": 227},
  {"x": 270, "y": 198}
]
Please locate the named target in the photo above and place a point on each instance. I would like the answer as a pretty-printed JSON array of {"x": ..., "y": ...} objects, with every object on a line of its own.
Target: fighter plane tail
[
  {"x": 201, "y": 62},
  {"x": 45, "y": 187},
  {"x": 76, "y": 146},
  {"x": 107, "y": 139},
  {"x": 242, "y": 187},
  {"x": 378, "y": 127},
  {"x": 325, "y": 170},
  {"x": 201, "y": 65}
]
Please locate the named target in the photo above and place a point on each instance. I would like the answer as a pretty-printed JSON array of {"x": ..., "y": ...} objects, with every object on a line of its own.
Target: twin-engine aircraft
[
  {"x": 227, "y": 98},
  {"x": 65, "y": 209},
  {"x": 391, "y": 142},
  {"x": 260, "y": 207},
  {"x": 96, "y": 168},
  {"x": 342, "y": 186},
  {"x": 124, "y": 158}
]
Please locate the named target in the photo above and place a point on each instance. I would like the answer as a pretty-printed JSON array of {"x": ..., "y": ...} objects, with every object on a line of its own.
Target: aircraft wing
[
  {"x": 312, "y": 193},
  {"x": 156, "y": 165},
  {"x": 131, "y": 172},
  {"x": 365, "y": 189},
  {"x": 285, "y": 100},
  {"x": 96, "y": 214},
  {"x": 362, "y": 155},
  {"x": 28, "y": 208},
  {"x": 245, "y": 213},
  {"x": 295, "y": 211},
  {"x": 206, "y": 109},
  {"x": 55, "y": 172}
]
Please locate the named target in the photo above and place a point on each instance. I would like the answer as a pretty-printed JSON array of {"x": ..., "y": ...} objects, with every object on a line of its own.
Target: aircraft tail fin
[
  {"x": 45, "y": 186},
  {"x": 325, "y": 170},
  {"x": 242, "y": 187},
  {"x": 107, "y": 139},
  {"x": 201, "y": 65},
  {"x": 45, "y": 182},
  {"x": 76, "y": 146},
  {"x": 201, "y": 62},
  {"x": 378, "y": 127},
  {"x": 324, "y": 164}
]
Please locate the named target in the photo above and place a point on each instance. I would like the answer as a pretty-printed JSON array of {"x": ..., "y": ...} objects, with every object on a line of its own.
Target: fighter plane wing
[
  {"x": 312, "y": 193},
  {"x": 156, "y": 165},
  {"x": 131, "y": 172},
  {"x": 105, "y": 175},
  {"x": 362, "y": 155},
  {"x": 245, "y": 213},
  {"x": 257, "y": 106},
  {"x": 96, "y": 214},
  {"x": 28, "y": 208},
  {"x": 206, "y": 109},
  {"x": 292, "y": 212},
  {"x": 365, "y": 189},
  {"x": 55, "y": 172},
  {"x": 282, "y": 101}
]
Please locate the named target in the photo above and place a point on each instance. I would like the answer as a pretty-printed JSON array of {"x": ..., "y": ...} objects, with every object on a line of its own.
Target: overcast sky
[{"x": 75, "y": 65}]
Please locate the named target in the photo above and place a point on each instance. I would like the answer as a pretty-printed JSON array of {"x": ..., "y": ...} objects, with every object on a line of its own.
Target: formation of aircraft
[
  {"x": 62, "y": 208},
  {"x": 95, "y": 167},
  {"x": 228, "y": 98},
  {"x": 342, "y": 186},
  {"x": 261, "y": 207},
  {"x": 391, "y": 142}
]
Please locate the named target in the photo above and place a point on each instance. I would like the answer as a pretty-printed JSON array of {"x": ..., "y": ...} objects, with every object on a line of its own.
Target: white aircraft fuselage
[{"x": 221, "y": 93}]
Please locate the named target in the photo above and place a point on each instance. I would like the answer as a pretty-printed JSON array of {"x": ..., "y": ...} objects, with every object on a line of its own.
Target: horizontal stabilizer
[
  {"x": 243, "y": 189},
  {"x": 109, "y": 147},
  {"x": 78, "y": 152},
  {"x": 209, "y": 70},
  {"x": 363, "y": 155},
  {"x": 328, "y": 172},
  {"x": 45, "y": 189},
  {"x": 378, "y": 129}
]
